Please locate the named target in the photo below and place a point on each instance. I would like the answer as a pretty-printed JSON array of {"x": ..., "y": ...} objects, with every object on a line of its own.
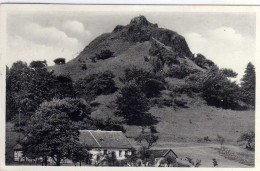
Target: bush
[
  {"x": 148, "y": 82},
  {"x": 104, "y": 54},
  {"x": 95, "y": 85},
  {"x": 59, "y": 61},
  {"x": 180, "y": 71},
  {"x": 249, "y": 139},
  {"x": 83, "y": 66},
  {"x": 180, "y": 103}
]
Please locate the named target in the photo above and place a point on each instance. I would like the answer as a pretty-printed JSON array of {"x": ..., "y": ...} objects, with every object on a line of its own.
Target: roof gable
[{"x": 162, "y": 153}]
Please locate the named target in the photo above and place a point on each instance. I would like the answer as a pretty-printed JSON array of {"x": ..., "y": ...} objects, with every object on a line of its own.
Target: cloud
[
  {"x": 76, "y": 29},
  {"x": 27, "y": 50},
  {"x": 225, "y": 46},
  {"x": 46, "y": 35}
]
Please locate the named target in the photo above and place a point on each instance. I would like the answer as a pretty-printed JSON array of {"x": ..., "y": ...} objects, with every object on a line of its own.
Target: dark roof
[
  {"x": 161, "y": 153},
  {"x": 104, "y": 139},
  {"x": 17, "y": 147}
]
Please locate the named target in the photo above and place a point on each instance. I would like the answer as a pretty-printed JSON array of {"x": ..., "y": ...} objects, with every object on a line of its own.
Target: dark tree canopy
[
  {"x": 215, "y": 88},
  {"x": 228, "y": 73},
  {"x": 104, "y": 54},
  {"x": 149, "y": 83},
  {"x": 248, "y": 85},
  {"x": 53, "y": 130},
  {"x": 60, "y": 61},
  {"x": 133, "y": 106},
  {"x": 28, "y": 87},
  {"x": 95, "y": 84},
  {"x": 38, "y": 64}
]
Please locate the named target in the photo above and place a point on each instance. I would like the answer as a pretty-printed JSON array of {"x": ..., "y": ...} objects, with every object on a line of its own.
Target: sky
[{"x": 228, "y": 39}]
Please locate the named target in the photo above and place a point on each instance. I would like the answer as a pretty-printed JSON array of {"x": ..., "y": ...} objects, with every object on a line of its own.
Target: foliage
[
  {"x": 38, "y": 64},
  {"x": 180, "y": 71},
  {"x": 95, "y": 84},
  {"x": 153, "y": 129},
  {"x": 215, "y": 88},
  {"x": 201, "y": 61},
  {"x": 215, "y": 163},
  {"x": 249, "y": 139},
  {"x": 248, "y": 85},
  {"x": 104, "y": 54},
  {"x": 79, "y": 154},
  {"x": 27, "y": 88},
  {"x": 146, "y": 156},
  {"x": 109, "y": 125},
  {"x": 52, "y": 131},
  {"x": 228, "y": 73},
  {"x": 195, "y": 164},
  {"x": 59, "y": 61},
  {"x": 83, "y": 66},
  {"x": 133, "y": 106},
  {"x": 111, "y": 159},
  {"x": 149, "y": 83},
  {"x": 221, "y": 140},
  {"x": 149, "y": 139},
  {"x": 170, "y": 161}
]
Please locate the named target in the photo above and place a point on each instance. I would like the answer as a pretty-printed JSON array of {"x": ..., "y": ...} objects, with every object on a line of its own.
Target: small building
[
  {"x": 160, "y": 155},
  {"x": 18, "y": 153},
  {"x": 102, "y": 143}
]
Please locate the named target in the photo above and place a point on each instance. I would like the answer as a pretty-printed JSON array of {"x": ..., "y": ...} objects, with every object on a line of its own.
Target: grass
[{"x": 243, "y": 157}]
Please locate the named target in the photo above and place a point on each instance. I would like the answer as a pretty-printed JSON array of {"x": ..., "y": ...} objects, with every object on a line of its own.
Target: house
[
  {"x": 102, "y": 143},
  {"x": 99, "y": 144},
  {"x": 18, "y": 153},
  {"x": 161, "y": 155}
]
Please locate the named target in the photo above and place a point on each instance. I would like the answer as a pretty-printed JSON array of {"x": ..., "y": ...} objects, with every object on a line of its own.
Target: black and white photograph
[{"x": 129, "y": 86}]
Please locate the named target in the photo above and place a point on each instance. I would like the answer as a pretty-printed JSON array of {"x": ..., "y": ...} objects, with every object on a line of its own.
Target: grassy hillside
[{"x": 190, "y": 124}]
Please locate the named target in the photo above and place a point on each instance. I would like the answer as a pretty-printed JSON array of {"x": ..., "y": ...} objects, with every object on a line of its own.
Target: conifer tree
[{"x": 248, "y": 85}]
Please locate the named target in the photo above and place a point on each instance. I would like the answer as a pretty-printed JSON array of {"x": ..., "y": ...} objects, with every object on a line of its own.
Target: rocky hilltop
[{"x": 139, "y": 43}]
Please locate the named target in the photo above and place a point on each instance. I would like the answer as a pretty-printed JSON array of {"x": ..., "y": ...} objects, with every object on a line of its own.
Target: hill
[
  {"x": 185, "y": 117},
  {"x": 145, "y": 45}
]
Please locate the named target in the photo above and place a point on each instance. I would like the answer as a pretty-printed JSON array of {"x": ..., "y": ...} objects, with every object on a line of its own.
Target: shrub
[
  {"x": 59, "y": 61},
  {"x": 249, "y": 139},
  {"x": 180, "y": 103},
  {"x": 95, "y": 85},
  {"x": 104, "y": 54},
  {"x": 83, "y": 66},
  {"x": 180, "y": 71},
  {"x": 149, "y": 83},
  {"x": 133, "y": 106},
  {"x": 93, "y": 59}
]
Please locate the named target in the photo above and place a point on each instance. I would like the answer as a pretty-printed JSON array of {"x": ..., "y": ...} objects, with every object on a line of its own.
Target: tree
[
  {"x": 149, "y": 83},
  {"x": 53, "y": 130},
  {"x": 60, "y": 61},
  {"x": 170, "y": 161},
  {"x": 28, "y": 87},
  {"x": 146, "y": 156},
  {"x": 215, "y": 163},
  {"x": 79, "y": 154},
  {"x": 104, "y": 54},
  {"x": 95, "y": 84},
  {"x": 248, "y": 85},
  {"x": 38, "y": 64},
  {"x": 249, "y": 139},
  {"x": 221, "y": 140},
  {"x": 228, "y": 73},
  {"x": 149, "y": 139},
  {"x": 218, "y": 90},
  {"x": 133, "y": 106}
]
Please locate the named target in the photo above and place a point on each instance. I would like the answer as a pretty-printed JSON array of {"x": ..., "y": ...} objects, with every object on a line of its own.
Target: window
[
  {"x": 105, "y": 151},
  {"x": 120, "y": 153}
]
